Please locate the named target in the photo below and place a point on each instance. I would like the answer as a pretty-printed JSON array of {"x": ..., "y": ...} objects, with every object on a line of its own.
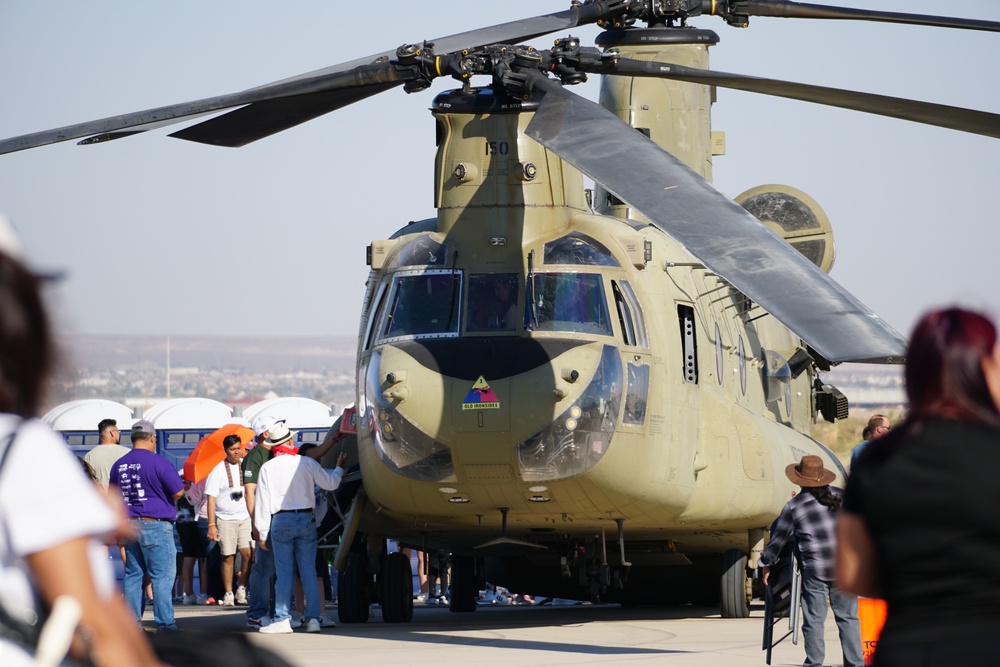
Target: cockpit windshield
[
  {"x": 572, "y": 302},
  {"x": 492, "y": 302},
  {"x": 422, "y": 303}
]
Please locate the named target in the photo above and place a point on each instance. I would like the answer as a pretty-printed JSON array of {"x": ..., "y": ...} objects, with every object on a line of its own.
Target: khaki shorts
[{"x": 233, "y": 534}]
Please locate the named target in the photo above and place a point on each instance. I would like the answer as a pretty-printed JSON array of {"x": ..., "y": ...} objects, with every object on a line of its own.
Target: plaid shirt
[{"x": 815, "y": 529}]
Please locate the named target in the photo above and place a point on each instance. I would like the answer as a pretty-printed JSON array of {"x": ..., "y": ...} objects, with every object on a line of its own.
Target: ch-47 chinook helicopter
[{"x": 582, "y": 395}]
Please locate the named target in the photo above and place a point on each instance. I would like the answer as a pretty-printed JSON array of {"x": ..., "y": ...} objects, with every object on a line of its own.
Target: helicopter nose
[
  {"x": 535, "y": 417},
  {"x": 578, "y": 437}
]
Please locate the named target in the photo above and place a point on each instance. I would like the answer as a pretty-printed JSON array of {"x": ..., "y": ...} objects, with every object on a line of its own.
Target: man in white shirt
[
  {"x": 284, "y": 512},
  {"x": 229, "y": 520}
]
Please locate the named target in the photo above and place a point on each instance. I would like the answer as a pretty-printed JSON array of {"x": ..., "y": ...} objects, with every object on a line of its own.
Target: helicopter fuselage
[{"x": 533, "y": 375}]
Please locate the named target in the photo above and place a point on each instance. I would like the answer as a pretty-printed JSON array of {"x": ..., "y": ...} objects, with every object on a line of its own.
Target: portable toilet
[
  {"x": 309, "y": 419},
  {"x": 181, "y": 422},
  {"x": 77, "y": 421}
]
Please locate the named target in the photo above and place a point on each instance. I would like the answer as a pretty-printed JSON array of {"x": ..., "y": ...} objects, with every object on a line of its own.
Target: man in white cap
[
  {"x": 260, "y": 602},
  {"x": 284, "y": 513}
]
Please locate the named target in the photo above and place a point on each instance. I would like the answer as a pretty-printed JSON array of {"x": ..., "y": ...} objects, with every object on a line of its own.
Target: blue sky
[{"x": 165, "y": 236}]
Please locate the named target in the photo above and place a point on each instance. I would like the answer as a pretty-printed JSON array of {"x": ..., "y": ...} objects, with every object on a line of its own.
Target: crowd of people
[{"x": 259, "y": 504}]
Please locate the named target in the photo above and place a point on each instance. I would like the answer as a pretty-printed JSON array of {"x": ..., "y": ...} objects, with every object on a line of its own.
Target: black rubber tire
[
  {"x": 733, "y": 602},
  {"x": 354, "y": 590},
  {"x": 463, "y": 584},
  {"x": 397, "y": 589}
]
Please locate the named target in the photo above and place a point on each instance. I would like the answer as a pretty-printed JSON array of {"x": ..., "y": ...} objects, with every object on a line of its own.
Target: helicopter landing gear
[
  {"x": 354, "y": 589},
  {"x": 397, "y": 589},
  {"x": 734, "y": 585}
]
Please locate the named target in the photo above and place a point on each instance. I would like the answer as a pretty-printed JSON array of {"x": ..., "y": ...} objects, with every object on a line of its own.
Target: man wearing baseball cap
[{"x": 149, "y": 485}]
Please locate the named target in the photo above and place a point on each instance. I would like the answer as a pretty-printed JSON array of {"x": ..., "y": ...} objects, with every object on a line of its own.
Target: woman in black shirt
[{"x": 919, "y": 525}]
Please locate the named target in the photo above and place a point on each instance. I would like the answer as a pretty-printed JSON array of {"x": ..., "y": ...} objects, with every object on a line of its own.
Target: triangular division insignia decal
[{"x": 481, "y": 397}]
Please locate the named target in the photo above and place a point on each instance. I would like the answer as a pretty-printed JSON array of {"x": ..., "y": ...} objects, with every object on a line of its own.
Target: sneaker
[
  {"x": 188, "y": 600},
  {"x": 420, "y": 598},
  {"x": 295, "y": 623},
  {"x": 277, "y": 628},
  {"x": 227, "y": 600},
  {"x": 312, "y": 625},
  {"x": 443, "y": 601},
  {"x": 256, "y": 623},
  {"x": 241, "y": 595},
  {"x": 326, "y": 622},
  {"x": 201, "y": 599},
  {"x": 431, "y": 601},
  {"x": 210, "y": 600}
]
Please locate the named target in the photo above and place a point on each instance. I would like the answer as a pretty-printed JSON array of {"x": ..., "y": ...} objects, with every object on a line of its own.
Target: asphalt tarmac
[{"x": 525, "y": 635}]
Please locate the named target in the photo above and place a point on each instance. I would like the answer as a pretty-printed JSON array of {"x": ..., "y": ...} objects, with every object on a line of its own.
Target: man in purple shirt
[{"x": 149, "y": 486}]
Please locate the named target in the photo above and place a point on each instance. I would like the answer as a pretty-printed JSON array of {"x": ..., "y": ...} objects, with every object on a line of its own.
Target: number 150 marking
[{"x": 497, "y": 148}]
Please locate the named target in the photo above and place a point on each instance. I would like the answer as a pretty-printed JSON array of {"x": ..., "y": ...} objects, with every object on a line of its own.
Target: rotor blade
[
  {"x": 720, "y": 233},
  {"x": 941, "y": 115},
  {"x": 798, "y": 10},
  {"x": 374, "y": 76},
  {"x": 304, "y": 96},
  {"x": 260, "y": 120}
]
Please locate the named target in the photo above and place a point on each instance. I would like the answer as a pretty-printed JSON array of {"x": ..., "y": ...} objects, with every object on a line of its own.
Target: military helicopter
[{"x": 580, "y": 397}]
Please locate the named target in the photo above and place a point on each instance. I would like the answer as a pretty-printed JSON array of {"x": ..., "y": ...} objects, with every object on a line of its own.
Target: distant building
[
  {"x": 181, "y": 422},
  {"x": 77, "y": 421},
  {"x": 309, "y": 419}
]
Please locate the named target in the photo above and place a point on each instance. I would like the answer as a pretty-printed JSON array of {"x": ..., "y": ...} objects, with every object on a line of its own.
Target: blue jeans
[
  {"x": 154, "y": 554},
  {"x": 260, "y": 595},
  {"x": 815, "y": 593},
  {"x": 293, "y": 541},
  {"x": 213, "y": 563}
]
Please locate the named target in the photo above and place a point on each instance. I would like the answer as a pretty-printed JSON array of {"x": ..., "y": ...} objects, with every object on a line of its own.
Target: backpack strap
[
  {"x": 9, "y": 445},
  {"x": 14, "y": 629}
]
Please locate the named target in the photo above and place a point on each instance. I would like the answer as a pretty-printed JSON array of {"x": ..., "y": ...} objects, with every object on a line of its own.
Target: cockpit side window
[
  {"x": 492, "y": 304},
  {"x": 374, "y": 314},
  {"x": 630, "y": 315},
  {"x": 572, "y": 302},
  {"x": 422, "y": 303}
]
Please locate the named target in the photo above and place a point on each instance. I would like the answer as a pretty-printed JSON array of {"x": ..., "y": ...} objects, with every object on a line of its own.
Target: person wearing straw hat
[
  {"x": 284, "y": 513},
  {"x": 810, "y": 518}
]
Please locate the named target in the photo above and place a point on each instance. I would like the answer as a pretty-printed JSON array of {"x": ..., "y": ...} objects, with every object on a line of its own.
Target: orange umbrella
[{"x": 209, "y": 453}]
